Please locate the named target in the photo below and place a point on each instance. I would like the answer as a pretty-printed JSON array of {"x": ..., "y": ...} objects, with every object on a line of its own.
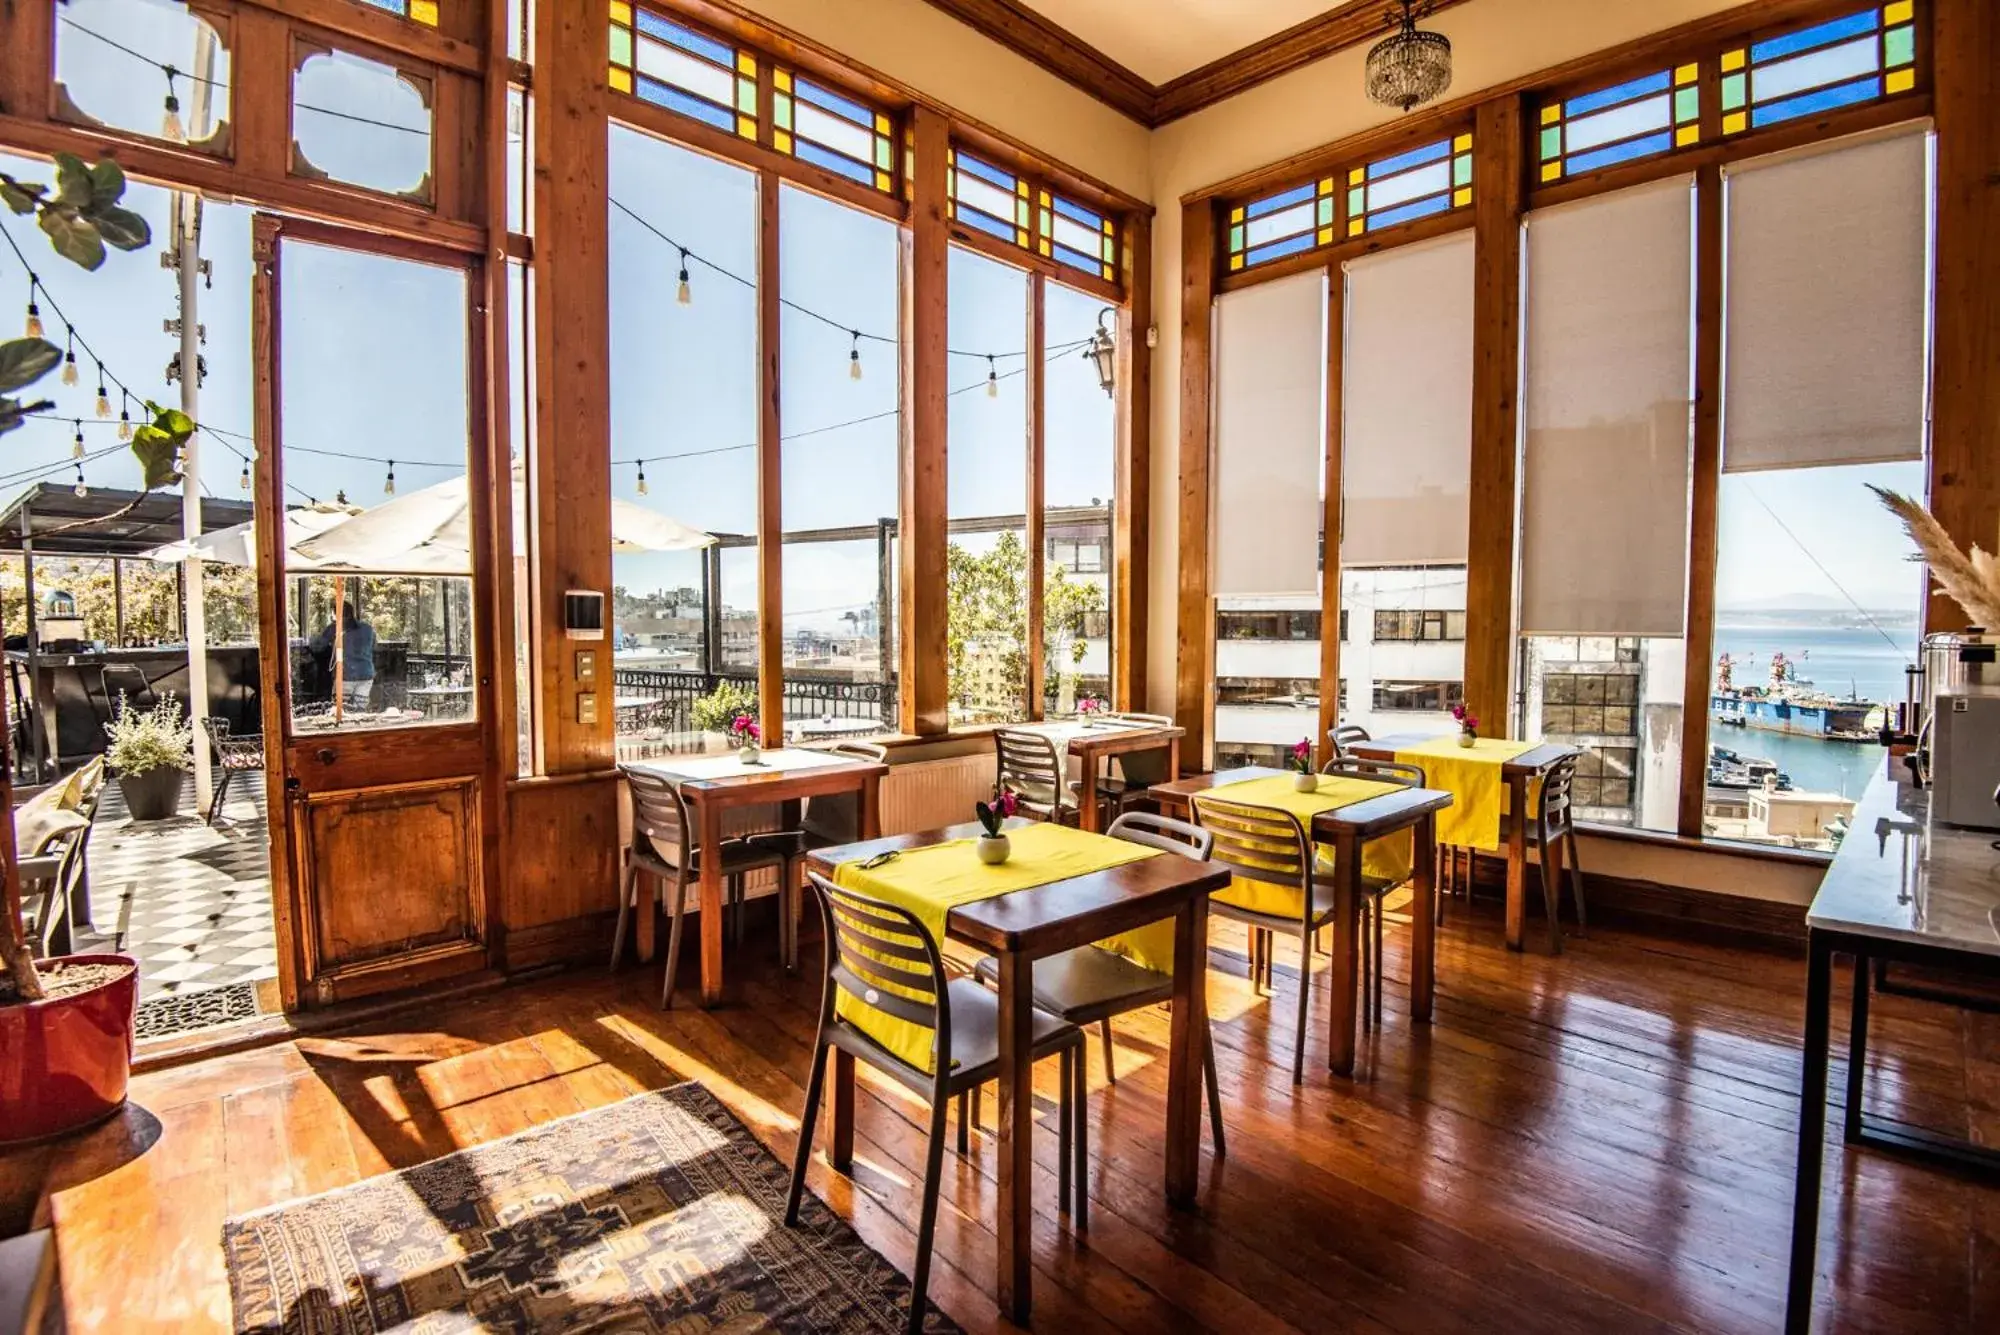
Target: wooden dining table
[
  {"x": 1092, "y": 743},
  {"x": 713, "y": 785},
  {"x": 1530, "y": 767},
  {"x": 1017, "y": 929},
  {"x": 1346, "y": 830}
]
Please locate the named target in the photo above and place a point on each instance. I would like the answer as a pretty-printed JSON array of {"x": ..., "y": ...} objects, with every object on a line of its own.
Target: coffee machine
[{"x": 1958, "y": 750}]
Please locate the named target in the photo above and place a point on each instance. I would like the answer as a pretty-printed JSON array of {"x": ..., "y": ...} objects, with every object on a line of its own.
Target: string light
[
  {"x": 642, "y": 478},
  {"x": 244, "y": 481},
  {"x": 69, "y": 376},
  {"x": 170, "y": 123},
  {"x": 103, "y": 399},
  {"x": 992, "y": 380},
  {"x": 389, "y": 482},
  {"x": 854, "y": 357},
  {"x": 76, "y": 448},
  {"x": 685, "y": 296},
  {"x": 124, "y": 414},
  {"x": 82, "y": 487},
  {"x": 33, "y": 328}
]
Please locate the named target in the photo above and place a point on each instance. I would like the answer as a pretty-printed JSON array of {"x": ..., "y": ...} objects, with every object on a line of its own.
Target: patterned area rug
[{"x": 660, "y": 1213}]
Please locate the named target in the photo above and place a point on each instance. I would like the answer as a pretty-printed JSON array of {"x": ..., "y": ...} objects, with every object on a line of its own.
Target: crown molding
[{"x": 1070, "y": 58}]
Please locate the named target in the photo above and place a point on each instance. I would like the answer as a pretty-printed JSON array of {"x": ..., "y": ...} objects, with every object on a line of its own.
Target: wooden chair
[
  {"x": 827, "y": 821},
  {"x": 662, "y": 849},
  {"x": 1033, "y": 768},
  {"x": 1344, "y": 736},
  {"x": 1089, "y": 985},
  {"x": 1549, "y": 830},
  {"x": 1374, "y": 889},
  {"x": 1132, "y": 775},
  {"x": 884, "y": 957},
  {"x": 234, "y": 755}
]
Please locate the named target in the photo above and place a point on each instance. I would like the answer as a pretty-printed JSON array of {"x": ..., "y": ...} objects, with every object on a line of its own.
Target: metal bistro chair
[
  {"x": 829, "y": 820},
  {"x": 234, "y": 755},
  {"x": 1552, "y": 835},
  {"x": 126, "y": 681},
  {"x": 1374, "y": 889},
  {"x": 884, "y": 957},
  {"x": 661, "y": 848},
  {"x": 1032, "y": 768},
  {"x": 1089, "y": 985},
  {"x": 1344, "y": 736}
]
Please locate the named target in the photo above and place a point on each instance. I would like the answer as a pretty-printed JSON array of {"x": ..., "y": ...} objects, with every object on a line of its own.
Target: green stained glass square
[
  {"x": 1110, "y": 251},
  {"x": 1235, "y": 238},
  {"x": 1461, "y": 169},
  {"x": 1326, "y": 211},
  {"x": 781, "y": 110},
  {"x": 1899, "y": 45},
  {"x": 1021, "y": 213},
  {"x": 621, "y": 46},
  {"x": 746, "y": 97},
  {"x": 1357, "y": 202},
  {"x": 1732, "y": 92},
  {"x": 1687, "y": 105},
  {"x": 1552, "y": 142},
  {"x": 884, "y": 154}
]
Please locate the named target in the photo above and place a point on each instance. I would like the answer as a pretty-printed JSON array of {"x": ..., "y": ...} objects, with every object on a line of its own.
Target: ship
[
  {"x": 1789, "y": 704},
  {"x": 1732, "y": 772}
]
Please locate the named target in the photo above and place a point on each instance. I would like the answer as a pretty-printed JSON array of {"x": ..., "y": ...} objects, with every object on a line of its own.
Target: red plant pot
[{"x": 64, "y": 1063}]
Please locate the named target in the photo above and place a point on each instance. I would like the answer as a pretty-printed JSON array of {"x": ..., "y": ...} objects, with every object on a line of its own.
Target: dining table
[
  {"x": 1018, "y": 927},
  {"x": 1091, "y": 742},
  {"x": 1466, "y": 772},
  {"x": 1348, "y": 830},
  {"x": 712, "y": 786}
]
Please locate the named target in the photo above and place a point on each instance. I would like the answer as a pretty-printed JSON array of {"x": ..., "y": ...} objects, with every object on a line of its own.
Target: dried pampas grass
[{"x": 1973, "y": 582}]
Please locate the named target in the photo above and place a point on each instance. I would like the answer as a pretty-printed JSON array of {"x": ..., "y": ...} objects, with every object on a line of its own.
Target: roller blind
[
  {"x": 1828, "y": 284},
  {"x": 1406, "y": 405},
  {"x": 1270, "y": 428},
  {"x": 1604, "y": 526}
]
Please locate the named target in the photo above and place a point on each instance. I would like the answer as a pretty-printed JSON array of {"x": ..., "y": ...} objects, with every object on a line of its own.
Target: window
[
  {"x": 1418, "y": 696},
  {"x": 417, "y": 11},
  {"x": 1433, "y": 179},
  {"x": 989, "y": 198},
  {"x": 1082, "y": 238},
  {"x": 1079, "y": 474},
  {"x": 1290, "y": 222},
  {"x": 815, "y": 124},
  {"x": 1417, "y": 626},
  {"x": 103, "y": 50},
  {"x": 677, "y": 67},
  {"x": 1856, "y": 58},
  {"x": 1278, "y": 625},
  {"x": 1639, "y": 118},
  {"x": 1275, "y": 692},
  {"x": 361, "y": 122}
]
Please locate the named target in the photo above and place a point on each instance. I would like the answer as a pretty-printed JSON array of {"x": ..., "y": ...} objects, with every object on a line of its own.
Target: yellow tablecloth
[
  {"x": 931, "y": 881},
  {"x": 1471, "y": 774},
  {"x": 1388, "y": 858}
]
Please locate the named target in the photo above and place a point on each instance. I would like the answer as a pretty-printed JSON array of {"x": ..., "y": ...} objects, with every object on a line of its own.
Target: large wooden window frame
[{"x": 1506, "y": 124}]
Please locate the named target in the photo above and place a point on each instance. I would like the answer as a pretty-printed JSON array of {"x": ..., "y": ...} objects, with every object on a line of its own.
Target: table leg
[
  {"x": 710, "y": 821},
  {"x": 1173, "y": 759},
  {"x": 1517, "y": 860},
  {"x": 870, "y": 815},
  {"x": 1347, "y": 852},
  {"x": 1017, "y": 1121},
  {"x": 1423, "y": 920},
  {"x": 1857, "y": 1051},
  {"x": 1812, "y": 1138},
  {"x": 1186, "y": 1037},
  {"x": 1087, "y": 806},
  {"x": 840, "y": 1132}
]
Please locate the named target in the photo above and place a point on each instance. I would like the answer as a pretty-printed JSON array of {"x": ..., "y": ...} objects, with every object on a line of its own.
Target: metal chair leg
[
  {"x": 1110, "y": 1064},
  {"x": 1079, "y": 1112},
  {"x": 964, "y": 1126},
  {"x": 1380, "y": 903},
  {"x": 1305, "y": 1006},
  {"x": 627, "y": 877},
  {"x": 1550, "y": 900},
  {"x": 814, "y": 1083},
  {"x": 1214, "y": 1092}
]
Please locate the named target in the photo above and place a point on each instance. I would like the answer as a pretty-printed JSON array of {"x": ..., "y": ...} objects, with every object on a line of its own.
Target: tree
[{"x": 986, "y": 625}]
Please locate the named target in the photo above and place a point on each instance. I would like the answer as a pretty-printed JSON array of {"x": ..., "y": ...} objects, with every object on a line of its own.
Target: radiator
[{"x": 931, "y": 793}]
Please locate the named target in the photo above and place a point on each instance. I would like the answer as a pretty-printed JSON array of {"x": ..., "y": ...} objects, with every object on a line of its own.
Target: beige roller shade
[
  {"x": 1406, "y": 405},
  {"x": 1270, "y": 428},
  {"x": 1604, "y": 526},
  {"x": 1828, "y": 296}
]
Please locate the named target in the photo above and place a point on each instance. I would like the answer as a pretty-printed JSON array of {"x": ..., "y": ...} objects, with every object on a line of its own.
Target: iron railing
[{"x": 673, "y": 694}]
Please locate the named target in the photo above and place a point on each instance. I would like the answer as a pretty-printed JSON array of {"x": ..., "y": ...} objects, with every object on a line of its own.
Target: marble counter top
[{"x": 1902, "y": 877}]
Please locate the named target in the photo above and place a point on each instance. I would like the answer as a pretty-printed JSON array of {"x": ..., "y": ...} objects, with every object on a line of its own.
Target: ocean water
[{"x": 1836, "y": 660}]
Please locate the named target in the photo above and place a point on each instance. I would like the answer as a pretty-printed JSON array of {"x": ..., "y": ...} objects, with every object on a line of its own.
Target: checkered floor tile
[{"x": 191, "y": 903}]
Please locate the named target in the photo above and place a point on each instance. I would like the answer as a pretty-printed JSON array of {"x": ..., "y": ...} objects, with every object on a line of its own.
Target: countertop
[{"x": 1901, "y": 876}]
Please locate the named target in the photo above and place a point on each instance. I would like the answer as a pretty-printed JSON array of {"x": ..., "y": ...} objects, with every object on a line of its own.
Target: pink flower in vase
[{"x": 1302, "y": 755}]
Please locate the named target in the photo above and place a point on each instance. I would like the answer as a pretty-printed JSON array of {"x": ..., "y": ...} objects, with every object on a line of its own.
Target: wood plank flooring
[{"x": 1601, "y": 1141}]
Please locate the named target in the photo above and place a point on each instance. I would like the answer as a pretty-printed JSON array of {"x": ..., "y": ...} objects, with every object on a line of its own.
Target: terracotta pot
[
  {"x": 153, "y": 794},
  {"x": 64, "y": 1063}
]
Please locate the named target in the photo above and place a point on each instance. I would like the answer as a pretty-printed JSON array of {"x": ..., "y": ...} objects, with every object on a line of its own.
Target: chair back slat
[
  {"x": 1556, "y": 785},
  {"x": 836, "y": 817},
  {"x": 1258, "y": 842},
  {"x": 1165, "y": 833},
  {"x": 873, "y": 947},
  {"x": 1376, "y": 771},
  {"x": 659, "y": 817},
  {"x": 1030, "y": 766},
  {"x": 1345, "y": 735}
]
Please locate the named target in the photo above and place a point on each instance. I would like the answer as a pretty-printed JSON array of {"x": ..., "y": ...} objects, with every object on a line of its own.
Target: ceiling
[{"x": 1160, "y": 40}]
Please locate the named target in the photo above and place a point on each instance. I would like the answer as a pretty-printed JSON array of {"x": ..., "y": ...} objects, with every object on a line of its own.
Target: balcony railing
[{"x": 672, "y": 696}]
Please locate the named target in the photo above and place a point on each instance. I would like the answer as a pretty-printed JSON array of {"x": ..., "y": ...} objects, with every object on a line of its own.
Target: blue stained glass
[
  {"x": 991, "y": 175},
  {"x": 1076, "y": 259},
  {"x": 1422, "y": 208},
  {"x": 1416, "y": 157},
  {"x": 1624, "y": 92},
  {"x": 673, "y": 99},
  {"x": 1277, "y": 250},
  {"x": 808, "y": 151},
  {"x": 1835, "y": 30},
  {"x": 1820, "y": 99},
  {"x": 987, "y": 223},
  {"x": 686, "y": 39},
  {"x": 834, "y": 102},
  {"x": 1276, "y": 202},
  {"x": 1625, "y": 152},
  {"x": 1077, "y": 213}
]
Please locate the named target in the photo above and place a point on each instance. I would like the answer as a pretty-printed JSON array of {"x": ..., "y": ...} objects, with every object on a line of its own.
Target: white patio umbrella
[{"x": 237, "y": 544}]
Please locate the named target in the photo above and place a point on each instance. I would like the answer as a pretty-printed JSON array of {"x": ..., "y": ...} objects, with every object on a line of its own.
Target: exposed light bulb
[
  {"x": 244, "y": 480},
  {"x": 854, "y": 359},
  {"x": 103, "y": 398},
  {"x": 69, "y": 375},
  {"x": 82, "y": 487},
  {"x": 642, "y": 479},
  {"x": 685, "y": 295},
  {"x": 33, "y": 327},
  {"x": 170, "y": 122},
  {"x": 992, "y": 380},
  {"x": 124, "y": 415},
  {"x": 76, "y": 447},
  {"x": 389, "y": 482}
]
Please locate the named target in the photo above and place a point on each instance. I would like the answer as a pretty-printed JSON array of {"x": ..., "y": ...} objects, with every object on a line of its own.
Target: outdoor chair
[
  {"x": 126, "y": 682},
  {"x": 883, "y": 956},
  {"x": 828, "y": 820},
  {"x": 233, "y": 755}
]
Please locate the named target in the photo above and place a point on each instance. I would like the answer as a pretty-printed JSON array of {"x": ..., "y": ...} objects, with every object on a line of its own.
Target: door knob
[{"x": 325, "y": 755}]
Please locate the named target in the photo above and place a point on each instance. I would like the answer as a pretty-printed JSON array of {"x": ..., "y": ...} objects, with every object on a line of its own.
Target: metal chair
[
  {"x": 827, "y": 821},
  {"x": 1374, "y": 889},
  {"x": 883, "y": 956},
  {"x": 234, "y": 755},
  {"x": 1089, "y": 985},
  {"x": 126, "y": 681},
  {"x": 660, "y": 847},
  {"x": 1032, "y": 768},
  {"x": 1552, "y": 834},
  {"x": 1345, "y": 735}
]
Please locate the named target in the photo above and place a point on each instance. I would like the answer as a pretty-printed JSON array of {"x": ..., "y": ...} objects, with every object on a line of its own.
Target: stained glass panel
[
  {"x": 1654, "y": 113},
  {"x": 815, "y": 124},
  {"x": 686, "y": 71},
  {"x": 1290, "y": 222},
  {"x": 1435, "y": 178},
  {"x": 417, "y": 11},
  {"x": 1843, "y": 62},
  {"x": 989, "y": 198},
  {"x": 1074, "y": 235}
]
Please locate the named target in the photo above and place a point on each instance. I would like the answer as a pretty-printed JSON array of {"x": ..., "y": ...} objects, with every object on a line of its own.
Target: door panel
[{"x": 415, "y": 848}]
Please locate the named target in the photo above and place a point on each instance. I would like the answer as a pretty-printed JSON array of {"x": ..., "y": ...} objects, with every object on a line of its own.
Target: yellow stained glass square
[
  {"x": 424, "y": 12},
  {"x": 746, "y": 64},
  {"x": 782, "y": 141},
  {"x": 1236, "y": 214},
  {"x": 1021, "y": 238},
  {"x": 1552, "y": 113},
  {"x": 881, "y": 123},
  {"x": 1900, "y": 12},
  {"x": 1045, "y": 246},
  {"x": 1687, "y": 134},
  {"x": 1901, "y": 81},
  {"x": 1461, "y": 197},
  {"x": 746, "y": 127},
  {"x": 1357, "y": 176},
  {"x": 1552, "y": 171},
  {"x": 1355, "y": 226},
  {"x": 1326, "y": 185},
  {"x": 621, "y": 12},
  {"x": 1110, "y": 228},
  {"x": 621, "y": 79},
  {"x": 1461, "y": 144},
  {"x": 1021, "y": 189},
  {"x": 1732, "y": 60},
  {"x": 1044, "y": 196},
  {"x": 1734, "y": 122},
  {"x": 1686, "y": 74},
  {"x": 1325, "y": 236},
  {"x": 1236, "y": 261},
  {"x": 882, "y": 182},
  {"x": 782, "y": 79}
]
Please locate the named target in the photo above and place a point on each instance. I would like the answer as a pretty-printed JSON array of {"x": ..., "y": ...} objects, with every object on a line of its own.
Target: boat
[
  {"x": 1789, "y": 704},
  {"x": 1729, "y": 770}
]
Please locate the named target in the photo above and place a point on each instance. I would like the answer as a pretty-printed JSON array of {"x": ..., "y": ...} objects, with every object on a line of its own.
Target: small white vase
[
  {"x": 1466, "y": 739},
  {"x": 993, "y": 849},
  {"x": 1306, "y": 783},
  {"x": 749, "y": 755}
]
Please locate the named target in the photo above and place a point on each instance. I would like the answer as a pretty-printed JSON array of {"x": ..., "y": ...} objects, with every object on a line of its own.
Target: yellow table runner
[
  {"x": 931, "y": 881},
  {"x": 1471, "y": 774},
  {"x": 1388, "y": 858}
]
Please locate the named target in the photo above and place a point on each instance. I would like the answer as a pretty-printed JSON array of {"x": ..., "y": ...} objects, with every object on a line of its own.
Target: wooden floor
[{"x": 1593, "y": 1143}]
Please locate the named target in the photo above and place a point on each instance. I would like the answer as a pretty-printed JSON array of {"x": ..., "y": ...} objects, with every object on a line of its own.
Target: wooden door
[{"x": 379, "y": 710}]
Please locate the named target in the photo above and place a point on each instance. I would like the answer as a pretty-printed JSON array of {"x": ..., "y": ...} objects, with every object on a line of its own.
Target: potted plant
[
  {"x": 1468, "y": 724},
  {"x": 993, "y": 846},
  {"x": 151, "y": 750},
  {"x": 743, "y": 731},
  {"x": 1301, "y": 765},
  {"x": 717, "y": 710}
]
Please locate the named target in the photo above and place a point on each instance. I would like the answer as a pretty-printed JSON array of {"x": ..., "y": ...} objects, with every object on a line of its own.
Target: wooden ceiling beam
[{"x": 1057, "y": 50}]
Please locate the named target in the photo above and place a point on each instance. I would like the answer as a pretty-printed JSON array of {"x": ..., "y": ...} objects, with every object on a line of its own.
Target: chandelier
[{"x": 1409, "y": 67}]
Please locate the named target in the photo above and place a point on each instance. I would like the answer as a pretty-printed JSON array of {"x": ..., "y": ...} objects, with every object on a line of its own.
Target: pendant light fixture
[
  {"x": 33, "y": 326},
  {"x": 170, "y": 121},
  {"x": 992, "y": 380},
  {"x": 854, "y": 357},
  {"x": 685, "y": 294},
  {"x": 1410, "y": 66}
]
